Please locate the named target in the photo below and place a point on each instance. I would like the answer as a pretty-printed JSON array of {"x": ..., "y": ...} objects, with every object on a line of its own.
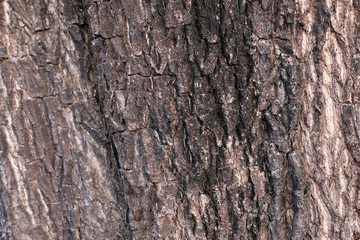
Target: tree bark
[{"x": 179, "y": 119}]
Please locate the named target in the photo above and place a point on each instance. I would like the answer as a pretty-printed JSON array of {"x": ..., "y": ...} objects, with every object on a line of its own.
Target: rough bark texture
[{"x": 179, "y": 119}]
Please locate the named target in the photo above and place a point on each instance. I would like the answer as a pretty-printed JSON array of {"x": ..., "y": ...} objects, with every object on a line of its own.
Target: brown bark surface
[{"x": 179, "y": 119}]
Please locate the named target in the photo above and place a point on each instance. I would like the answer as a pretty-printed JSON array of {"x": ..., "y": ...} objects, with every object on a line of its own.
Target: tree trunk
[{"x": 179, "y": 119}]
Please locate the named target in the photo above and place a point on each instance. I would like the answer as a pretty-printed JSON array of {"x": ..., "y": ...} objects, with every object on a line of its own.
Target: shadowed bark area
[{"x": 179, "y": 119}]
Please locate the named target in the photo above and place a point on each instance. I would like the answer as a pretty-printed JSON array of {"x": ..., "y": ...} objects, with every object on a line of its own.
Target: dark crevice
[{"x": 105, "y": 137}]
